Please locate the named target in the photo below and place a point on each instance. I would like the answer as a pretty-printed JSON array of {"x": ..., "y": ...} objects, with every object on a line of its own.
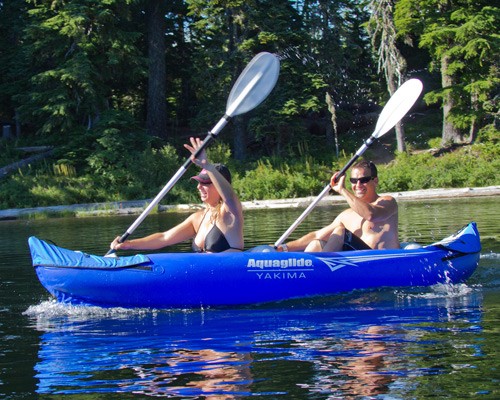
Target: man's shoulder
[
  {"x": 348, "y": 213},
  {"x": 385, "y": 198}
]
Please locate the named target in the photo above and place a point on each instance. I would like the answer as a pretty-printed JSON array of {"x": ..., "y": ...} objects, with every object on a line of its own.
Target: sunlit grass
[{"x": 302, "y": 171}]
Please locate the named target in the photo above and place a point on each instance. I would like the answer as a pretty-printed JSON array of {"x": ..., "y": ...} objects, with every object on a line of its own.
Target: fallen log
[{"x": 5, "y": 171}]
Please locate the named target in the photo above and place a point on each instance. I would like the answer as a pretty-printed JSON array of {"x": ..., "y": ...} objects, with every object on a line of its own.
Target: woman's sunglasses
[{"x": 363, "y": 180}]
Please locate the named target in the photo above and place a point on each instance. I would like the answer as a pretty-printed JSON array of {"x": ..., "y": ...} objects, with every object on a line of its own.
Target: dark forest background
[{"x": 115, "y": 87}]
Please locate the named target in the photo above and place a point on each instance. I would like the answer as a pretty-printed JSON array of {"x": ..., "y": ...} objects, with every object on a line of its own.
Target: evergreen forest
[{"x": 108, "y": 91}]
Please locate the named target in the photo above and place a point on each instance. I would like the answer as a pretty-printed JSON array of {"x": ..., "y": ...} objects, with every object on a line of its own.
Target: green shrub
[
  {"x": 469, "y": 166},
  {"x": 8, "y": 152},
  {"x": 269, "y": 182},
  {"x": 219, "y": 152},
  {"x": 118, "y": 145},
  {"x": 117, "y": 161},
  {"x": 488, "y": 134}
]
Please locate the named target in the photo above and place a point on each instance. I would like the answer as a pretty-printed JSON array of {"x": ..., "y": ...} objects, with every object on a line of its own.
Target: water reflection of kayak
[
  {"x": 353, "y": 344},
  {"x": 178, "y": 280}
]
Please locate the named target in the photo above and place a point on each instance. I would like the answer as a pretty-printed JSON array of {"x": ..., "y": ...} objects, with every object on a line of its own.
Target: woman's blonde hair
[{"x": 216, "y": 211}]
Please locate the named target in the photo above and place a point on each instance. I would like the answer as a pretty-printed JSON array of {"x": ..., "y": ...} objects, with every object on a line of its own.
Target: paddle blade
[
  {"x": 397, "y": 106},
  {"x": 254, "y": 84}
]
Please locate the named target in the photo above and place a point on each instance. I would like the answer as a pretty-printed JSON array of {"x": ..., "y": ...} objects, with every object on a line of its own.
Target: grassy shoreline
[
  {"x": 299, "y": 170},
  {"x": 137, "y": 206}
]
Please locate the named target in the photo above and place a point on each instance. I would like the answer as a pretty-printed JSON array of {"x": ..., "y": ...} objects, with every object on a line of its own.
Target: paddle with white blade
[
  {"x": 250, "y": 89},
  {"x": 395, "y": 109}
]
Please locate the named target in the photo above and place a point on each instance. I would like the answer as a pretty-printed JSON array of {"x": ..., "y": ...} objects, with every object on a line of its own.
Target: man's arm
[
  {"x": 377, "y": 211},
  {"x": 301, "y": 243}
]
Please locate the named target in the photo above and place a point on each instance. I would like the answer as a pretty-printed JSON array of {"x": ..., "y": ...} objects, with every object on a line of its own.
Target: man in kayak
[
  {"x": 215, "y": 229},
  {"x": 371, "y": 222}
]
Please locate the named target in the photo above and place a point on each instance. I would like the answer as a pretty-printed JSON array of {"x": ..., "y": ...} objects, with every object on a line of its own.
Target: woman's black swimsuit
[{"x": 215, "y": 242}]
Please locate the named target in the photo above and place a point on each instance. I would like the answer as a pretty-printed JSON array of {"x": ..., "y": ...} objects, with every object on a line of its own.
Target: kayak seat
[{"x": 410, "y": 245}]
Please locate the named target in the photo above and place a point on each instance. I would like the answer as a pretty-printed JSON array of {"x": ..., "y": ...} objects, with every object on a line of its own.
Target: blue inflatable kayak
[{"x": 187, "y": 280}]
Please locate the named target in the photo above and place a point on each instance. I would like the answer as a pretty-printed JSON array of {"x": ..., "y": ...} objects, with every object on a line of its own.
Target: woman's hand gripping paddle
[
  {"x": 251, "y": 88},
  {"x": 395, "y": 109}
]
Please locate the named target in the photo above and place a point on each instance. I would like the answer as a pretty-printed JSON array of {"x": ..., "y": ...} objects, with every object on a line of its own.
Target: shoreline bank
[{"x": 137, "y": 206}]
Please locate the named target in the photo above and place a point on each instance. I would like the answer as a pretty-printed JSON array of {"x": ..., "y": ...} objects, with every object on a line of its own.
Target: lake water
[{"x": 419, "y": 343}]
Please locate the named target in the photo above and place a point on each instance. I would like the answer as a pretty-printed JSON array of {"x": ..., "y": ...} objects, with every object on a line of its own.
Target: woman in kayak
[{"x": 215, "y": 229}]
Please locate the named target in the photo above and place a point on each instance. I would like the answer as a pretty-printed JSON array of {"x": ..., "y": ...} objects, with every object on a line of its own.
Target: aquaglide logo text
[{"x": 282, "y": 264}]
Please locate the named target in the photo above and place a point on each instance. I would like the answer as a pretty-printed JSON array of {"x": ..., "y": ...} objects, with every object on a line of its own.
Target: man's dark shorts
[{"x": 352, "y": 242}]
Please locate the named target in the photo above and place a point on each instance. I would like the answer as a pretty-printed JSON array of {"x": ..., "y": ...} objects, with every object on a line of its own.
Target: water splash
[
  {"x": 490, "y": 256},
  {"x": 53, "y": 309},
  {"x": 439, "y": 291}
]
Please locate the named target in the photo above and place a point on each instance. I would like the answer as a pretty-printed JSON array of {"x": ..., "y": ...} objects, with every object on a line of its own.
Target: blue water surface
[
  {"x": 363, "y": 344},
  {"x": 417, "y": 343}
]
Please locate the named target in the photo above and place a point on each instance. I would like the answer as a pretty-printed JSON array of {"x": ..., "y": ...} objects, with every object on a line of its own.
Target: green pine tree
[{"x": 462, "y": 38}]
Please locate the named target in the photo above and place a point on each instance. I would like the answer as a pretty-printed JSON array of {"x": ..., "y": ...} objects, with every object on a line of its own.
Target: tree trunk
[
  {"x": 18, "y": 124},
  {"x": 400, "y": 137},
  {"x": 239, "y": 122},
  {"x": 239, "y": 143},
  {"x": 156, "y": 119},
  {"x": 400, "y": 132},
  {"x": 474, "y": 125},
  {"x": 451, "y": 134},
  {"x": 331, "y": 129},
  {"x": 390, "y": 59}
]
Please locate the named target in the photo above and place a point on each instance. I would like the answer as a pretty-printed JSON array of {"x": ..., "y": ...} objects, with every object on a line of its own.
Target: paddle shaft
[
  {"x": 167, "y": 187},
  {"x": 395, "y": 109},
  {"x": 231, "y": 110},
  {"x": 211, "y": 135},
  {"x": 324, "y": 192}
]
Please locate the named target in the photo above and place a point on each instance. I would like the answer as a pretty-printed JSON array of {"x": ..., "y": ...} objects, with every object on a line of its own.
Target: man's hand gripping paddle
[{"x": 395, "y": 109}]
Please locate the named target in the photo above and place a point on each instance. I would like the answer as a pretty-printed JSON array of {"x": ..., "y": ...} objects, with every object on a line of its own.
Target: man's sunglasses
[{"x": 363, "y": 180}]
